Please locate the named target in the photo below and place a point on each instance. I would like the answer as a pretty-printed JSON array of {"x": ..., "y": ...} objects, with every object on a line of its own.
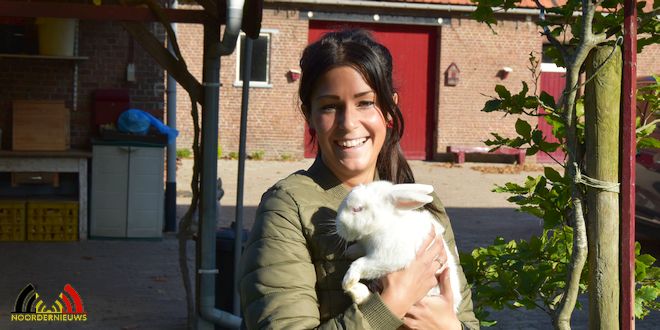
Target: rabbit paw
[
  {"x": 359, "y": 292},
  {"x": 351, "y": 278}
]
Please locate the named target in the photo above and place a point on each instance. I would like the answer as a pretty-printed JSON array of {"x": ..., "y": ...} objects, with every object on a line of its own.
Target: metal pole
[
  {"x": 170, "y": 182},
  {"x": 206, "y": 251},
  {"x": 628, "y": 152},
  {"x": 238, "y": 241}
]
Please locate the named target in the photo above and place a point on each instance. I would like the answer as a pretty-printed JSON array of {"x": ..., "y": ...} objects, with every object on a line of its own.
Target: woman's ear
[{"x": 395, "y": 97}]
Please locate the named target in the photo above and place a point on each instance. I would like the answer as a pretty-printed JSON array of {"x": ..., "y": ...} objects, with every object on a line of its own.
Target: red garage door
[{"x": 413, "y": 51}]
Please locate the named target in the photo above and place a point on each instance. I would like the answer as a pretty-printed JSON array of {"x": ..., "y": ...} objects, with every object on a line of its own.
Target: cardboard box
[{"x": 40, "y": 125}]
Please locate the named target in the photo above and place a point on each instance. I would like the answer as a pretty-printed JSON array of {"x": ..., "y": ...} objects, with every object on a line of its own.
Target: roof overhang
[{"x": 99, "y": 13}]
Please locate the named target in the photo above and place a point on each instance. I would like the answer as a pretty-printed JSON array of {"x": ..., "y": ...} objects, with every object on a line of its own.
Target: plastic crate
[
  {"x": 52, "y": 221},
  {"x": 12, "y": 220}
]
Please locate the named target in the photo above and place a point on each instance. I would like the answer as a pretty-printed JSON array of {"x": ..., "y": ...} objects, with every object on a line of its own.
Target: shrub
[{"x": 183, "y": 153}]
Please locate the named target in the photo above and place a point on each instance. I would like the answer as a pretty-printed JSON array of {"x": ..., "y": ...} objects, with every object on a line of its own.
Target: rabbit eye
[{"x": 356, "y": 209}]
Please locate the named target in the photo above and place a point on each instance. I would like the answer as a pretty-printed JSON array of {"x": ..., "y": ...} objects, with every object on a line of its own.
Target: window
[{"x": 260, "y": 74}]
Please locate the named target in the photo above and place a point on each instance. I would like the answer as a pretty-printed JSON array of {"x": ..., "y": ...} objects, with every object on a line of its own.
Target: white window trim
[
  {"x": 256, "y": 84},
  {"x": 551, "y": 67}
]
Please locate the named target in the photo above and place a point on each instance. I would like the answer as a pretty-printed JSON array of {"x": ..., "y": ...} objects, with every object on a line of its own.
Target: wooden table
[{"x": 68, "y": 161}]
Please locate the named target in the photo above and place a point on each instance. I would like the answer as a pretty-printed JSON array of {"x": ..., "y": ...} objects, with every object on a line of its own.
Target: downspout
[
  {"x": 207, "y": 272},
  {"x": 232, "y": 27},
  {"x": 170, "y": 182}
]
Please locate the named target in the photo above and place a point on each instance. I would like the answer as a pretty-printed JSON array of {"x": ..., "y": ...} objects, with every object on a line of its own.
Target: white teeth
[{"x": 352, "y": 143}]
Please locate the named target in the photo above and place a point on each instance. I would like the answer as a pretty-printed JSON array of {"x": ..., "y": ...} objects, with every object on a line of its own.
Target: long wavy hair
[{"x": 357, "y": 49}]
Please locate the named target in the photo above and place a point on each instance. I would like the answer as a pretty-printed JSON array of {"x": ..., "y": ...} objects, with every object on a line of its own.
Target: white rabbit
[{"x": 381, "y": 217}]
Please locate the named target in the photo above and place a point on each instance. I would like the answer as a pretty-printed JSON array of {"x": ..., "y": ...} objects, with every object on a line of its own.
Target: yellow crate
[
  {"x": 52, "y": 221},
  {"x": 12, "y": 220}
]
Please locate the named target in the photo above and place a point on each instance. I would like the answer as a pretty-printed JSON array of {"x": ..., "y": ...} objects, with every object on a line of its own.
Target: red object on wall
[
  {"x": 108, "y": 104},
  {"x": 413, "y": 51},
  {"x": 552, "y": 83}
]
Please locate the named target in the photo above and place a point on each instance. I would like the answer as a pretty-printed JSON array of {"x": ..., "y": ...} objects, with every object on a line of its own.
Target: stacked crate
[
  {"x": 52, "y": 221},
  {"x": 12, "y": 220}
]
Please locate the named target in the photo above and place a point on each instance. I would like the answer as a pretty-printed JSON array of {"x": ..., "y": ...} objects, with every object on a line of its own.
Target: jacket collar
[{"x": 324, "y": 177}]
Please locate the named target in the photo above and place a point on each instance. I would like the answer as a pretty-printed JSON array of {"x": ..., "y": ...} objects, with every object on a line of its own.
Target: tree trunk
[{"x": 602, "y": 99}]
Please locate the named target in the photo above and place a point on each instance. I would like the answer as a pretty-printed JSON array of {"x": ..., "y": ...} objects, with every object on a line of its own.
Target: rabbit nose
[{"x": 356, "y": 209}]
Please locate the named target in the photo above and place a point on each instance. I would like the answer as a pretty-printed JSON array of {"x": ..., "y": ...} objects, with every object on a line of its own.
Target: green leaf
[
  {"x": 492, "y": 105},
  {"x": 552, "y": 174},
  {"x": 548, "y": 100},
  {"x": 648, "y": 143},
  {"x": 646, "y": 259},
  {"x": 484, "y": 14},
  {"x": 502, "y": 92},
  {"x": 523, "y": 128}
]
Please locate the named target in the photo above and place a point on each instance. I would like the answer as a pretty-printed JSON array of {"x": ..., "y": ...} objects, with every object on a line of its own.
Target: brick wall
[
  {"x": 106, "y": 45},
  {"x": 480, "y": 54},
  {"x": 276, "y": 127}
]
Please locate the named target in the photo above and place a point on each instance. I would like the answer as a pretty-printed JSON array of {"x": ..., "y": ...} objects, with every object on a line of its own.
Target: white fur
[{"x": 383, "y": 218}]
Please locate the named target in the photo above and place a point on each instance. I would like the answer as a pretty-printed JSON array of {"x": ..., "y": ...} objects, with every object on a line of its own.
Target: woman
[{"x": 293, "y": 264}]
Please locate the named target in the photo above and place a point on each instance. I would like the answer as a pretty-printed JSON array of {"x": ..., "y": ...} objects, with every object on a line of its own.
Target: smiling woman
[{"x": 294, "y": 261}]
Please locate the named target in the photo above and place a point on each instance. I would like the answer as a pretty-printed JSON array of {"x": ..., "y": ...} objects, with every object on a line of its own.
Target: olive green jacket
[{"x": 293, "y": 263}]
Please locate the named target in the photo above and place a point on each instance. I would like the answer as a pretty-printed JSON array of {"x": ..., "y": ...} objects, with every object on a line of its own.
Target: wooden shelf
[{"x": 44, "y": 57}]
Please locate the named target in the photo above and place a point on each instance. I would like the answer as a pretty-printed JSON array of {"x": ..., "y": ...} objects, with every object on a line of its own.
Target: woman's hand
[
  {"x": 434, "y": 312},
  {"x": 404, "y": 288}
]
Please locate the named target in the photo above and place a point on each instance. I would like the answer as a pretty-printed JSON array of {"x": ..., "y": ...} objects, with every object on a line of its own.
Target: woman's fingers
[
  {"x": 427, "y": 244},
  {"x": 445, "y": 286}
]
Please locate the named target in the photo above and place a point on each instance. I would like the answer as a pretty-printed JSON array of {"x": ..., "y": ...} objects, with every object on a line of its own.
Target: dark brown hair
[{"x": 357, "y": 49}]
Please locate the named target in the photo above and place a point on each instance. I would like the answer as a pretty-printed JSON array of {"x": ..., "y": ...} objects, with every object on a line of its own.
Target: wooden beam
[{"x": 99, "y": 13}]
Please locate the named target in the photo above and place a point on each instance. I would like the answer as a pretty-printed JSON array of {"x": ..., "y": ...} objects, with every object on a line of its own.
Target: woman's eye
[
  {"x": 328, "y": 108},
  {"x": 365, "y": 104}
]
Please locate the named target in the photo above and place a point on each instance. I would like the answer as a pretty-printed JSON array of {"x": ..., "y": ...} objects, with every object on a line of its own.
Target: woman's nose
[{"x": 348, "y": 118}]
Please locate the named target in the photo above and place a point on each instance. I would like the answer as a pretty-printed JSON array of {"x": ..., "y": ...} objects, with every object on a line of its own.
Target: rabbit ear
[
  {"x": 413, "y": 187},
  {"x": 411, "y": 196}
]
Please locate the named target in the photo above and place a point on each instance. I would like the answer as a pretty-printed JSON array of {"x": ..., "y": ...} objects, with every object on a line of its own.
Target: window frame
[{"x": 268, "y": 33}]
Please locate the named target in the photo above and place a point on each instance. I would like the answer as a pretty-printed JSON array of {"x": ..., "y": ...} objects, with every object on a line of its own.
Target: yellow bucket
[{"x": 56, "y": 36}]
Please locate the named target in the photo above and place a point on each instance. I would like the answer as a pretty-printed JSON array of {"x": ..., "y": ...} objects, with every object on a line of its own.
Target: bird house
[{"x": 452, "y": 75}]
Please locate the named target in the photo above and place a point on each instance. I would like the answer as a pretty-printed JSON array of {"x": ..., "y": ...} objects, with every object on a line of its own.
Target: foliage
[
  {"x": 648, "y": 284},
  {"x": 286, "y": 157},
  {"x": 257, "y": 155},
  {"x": 648, "y": 113},
  {"x": 559, "y": 20},
  {"x": 219, "y": 152},
  {"x": 532, "y": 274},
  {"x": 515, "y": 274},
  {"x": 183, "y": 153},
  {"x": 232, "y": 155}
]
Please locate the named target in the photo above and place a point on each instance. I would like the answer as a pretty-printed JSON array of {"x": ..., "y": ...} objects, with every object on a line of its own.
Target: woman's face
[{"x": 350, "y": 128}]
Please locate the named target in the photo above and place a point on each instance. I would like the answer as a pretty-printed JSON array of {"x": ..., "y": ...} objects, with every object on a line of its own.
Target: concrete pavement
[{"x": 130, "y": 284}]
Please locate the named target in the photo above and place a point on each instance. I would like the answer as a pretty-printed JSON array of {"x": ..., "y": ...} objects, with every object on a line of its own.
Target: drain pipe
[
  {"x": 170, "y": 184},
  {"x": 207, "y": 271},
  {"x": 232, "y": 27}
]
